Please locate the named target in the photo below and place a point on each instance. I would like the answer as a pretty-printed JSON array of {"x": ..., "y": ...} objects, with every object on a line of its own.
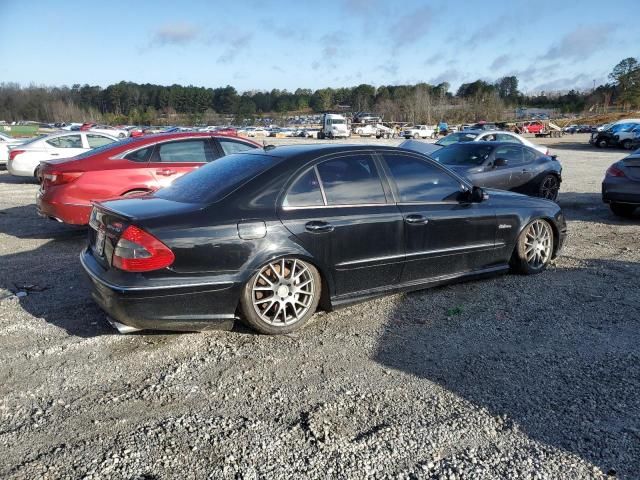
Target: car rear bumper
[
  {"x": 72, "y": 213},
  {"x": 177, "y": 306},
  {"x": 621, "y": 190}
]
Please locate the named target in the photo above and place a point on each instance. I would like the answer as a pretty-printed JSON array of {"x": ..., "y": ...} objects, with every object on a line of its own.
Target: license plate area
[{"x": 98, "y": 244}]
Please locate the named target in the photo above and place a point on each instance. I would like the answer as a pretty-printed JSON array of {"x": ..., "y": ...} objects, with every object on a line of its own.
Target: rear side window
[
  {"x": 68, "y": 141},
  {"x": 530, "y": 155},
  {"x": 418, "y": 181},
  {"x": 98, "y": 140},
  {"x": 232, "y": 146},
  {"x": 351, "y": 180},
  {"x": 187, "y": 151},
  {"x": 216, "y": 180},
  {"x": 305, "y": 191},
  {"x": 141, "y": 155}
]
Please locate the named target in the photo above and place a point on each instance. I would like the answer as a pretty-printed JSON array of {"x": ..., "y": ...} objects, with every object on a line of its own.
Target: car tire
[
  {"x": 627, "y": 144},
  {"x": 623, "y": 210},
  {"x": 602, "y": 143},
  {"x": 281, "y": 296},
  {"x": 534, "y": 248},
  {"x": 416, "y": 136},
  {"x": 549, "y": 187}
]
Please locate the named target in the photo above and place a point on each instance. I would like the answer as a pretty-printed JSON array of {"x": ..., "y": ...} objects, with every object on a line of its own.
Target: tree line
[{"x": 128, "y": 102}]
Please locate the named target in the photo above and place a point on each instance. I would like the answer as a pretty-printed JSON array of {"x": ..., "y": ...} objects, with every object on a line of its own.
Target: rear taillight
[
  {"x": 139, "y": 251},
  {"x": 58, "y": 178},
  {"x": 14, "y": 153},
  {"x": 614, "y": 171}
]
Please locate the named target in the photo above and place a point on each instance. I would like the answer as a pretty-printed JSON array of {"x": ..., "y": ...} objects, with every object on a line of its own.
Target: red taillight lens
[
  {"x": 139, "y": 251},
  {"x": 14, "y": 153},
  {"x": 614, "y": 171},
  {"x": 58, "y": 178}
]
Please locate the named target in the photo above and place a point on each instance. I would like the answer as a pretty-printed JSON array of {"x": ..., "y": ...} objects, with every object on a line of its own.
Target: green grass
[{"x": 19, "y": 130}]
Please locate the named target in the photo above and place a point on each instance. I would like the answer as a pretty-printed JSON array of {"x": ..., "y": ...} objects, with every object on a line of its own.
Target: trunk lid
[{"x": 632, "y": 167}]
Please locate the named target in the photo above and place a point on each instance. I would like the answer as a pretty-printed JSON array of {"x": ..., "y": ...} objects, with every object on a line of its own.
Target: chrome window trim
[
  {"x": 339, "y": 206},
  {"x": 121, "y": 155}
]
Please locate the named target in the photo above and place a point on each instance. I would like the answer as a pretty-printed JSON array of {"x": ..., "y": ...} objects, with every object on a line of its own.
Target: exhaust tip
[{"x": 121, "y": 327}]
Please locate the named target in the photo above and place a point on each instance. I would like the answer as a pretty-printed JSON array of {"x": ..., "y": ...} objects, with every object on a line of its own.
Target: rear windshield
[
  {"x": 217, "y": 179},
  {"x": 457, "y": 138},
  {"x": 464, "y": 154}
]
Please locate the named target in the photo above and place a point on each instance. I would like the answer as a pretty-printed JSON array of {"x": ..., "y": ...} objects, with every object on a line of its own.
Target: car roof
[{"x": 480, "y": 131}]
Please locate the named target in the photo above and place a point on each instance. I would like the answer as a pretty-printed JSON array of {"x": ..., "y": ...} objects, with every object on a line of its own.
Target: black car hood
[{"x": 146, "y": 207}]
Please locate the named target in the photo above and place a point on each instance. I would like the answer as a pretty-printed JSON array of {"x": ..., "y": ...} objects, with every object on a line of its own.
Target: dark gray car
[
  {"x": 506, "y": 166},
  {"x": 621, "y": 185}
]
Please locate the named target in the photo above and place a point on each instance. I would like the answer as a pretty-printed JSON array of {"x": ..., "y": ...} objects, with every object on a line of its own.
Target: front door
[
  {"x": 342, "y": 214},
  {"x": 444, "y": 235}
]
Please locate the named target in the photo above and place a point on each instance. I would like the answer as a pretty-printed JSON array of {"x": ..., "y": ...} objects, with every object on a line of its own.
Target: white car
[
  {"x": 5, "y": 143},
  {"x": 488, "y": 135},
  {"x": 112, "y": 131},
  {"x": 257, "y": 131},
  {"x": 418, "y": 131},
  {"x": 24, "y": 159}
]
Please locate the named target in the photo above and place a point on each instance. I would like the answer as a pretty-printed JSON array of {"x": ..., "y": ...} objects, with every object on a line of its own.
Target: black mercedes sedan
[
  {"x": 504, "y": 165},
  {"x": 271, "y": 235},
  {"x": 621, "y": 185}
]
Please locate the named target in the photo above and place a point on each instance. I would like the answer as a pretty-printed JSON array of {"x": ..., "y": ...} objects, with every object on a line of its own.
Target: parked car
[
  {"x": 25, "y": 159},
  {"x": 257, "y": 132},
  {"x": 5, "y": 143},
  {"x": 419, "y": 131},
  {"x": 275, "y": 234},
  {"x": 533, "y": 127},
  {"x": 130, "y": 167},
  {"x": 621, "y": 185},
  {"x": 620, "y": 134},
  {"x": 484, "y": 136},
  {"x": 504, "y": 165}
]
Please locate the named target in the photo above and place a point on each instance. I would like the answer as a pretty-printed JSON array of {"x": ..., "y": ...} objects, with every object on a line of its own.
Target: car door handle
[
  {"x": 318, "y": 227},
  {"x": 416, "y": 219},
  {"x": 54, "y": 154},
  {"x": 166, "y": 172}
]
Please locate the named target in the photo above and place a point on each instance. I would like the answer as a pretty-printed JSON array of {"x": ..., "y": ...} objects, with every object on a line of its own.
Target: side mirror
[
  {"x": 478, "y": 195},
  {"x": 500, "y": 162}
]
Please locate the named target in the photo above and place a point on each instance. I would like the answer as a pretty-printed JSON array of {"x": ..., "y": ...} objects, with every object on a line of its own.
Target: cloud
[
  {"x": 361, "y": 7},
  {"x": 411, "y": 27},
  {"x": 580, "y": 43},
  {"x": 449, "y": 76},
  {"x": 390, "y": 68},
  {"x": 177, "y": 33},
  {"x": 489, "y": 31},
  {"x": 285, "y": 32},
  {"x": 500, "y": 61},
  {"x": 232, "y": 43}
]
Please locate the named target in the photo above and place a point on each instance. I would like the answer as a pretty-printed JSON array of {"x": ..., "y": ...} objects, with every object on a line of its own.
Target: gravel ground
[{"x": 511, "y": 377}]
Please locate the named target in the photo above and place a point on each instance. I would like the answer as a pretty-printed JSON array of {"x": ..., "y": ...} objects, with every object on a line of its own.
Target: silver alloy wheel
[
  {"x": 283, "y": 291},
  {"x": 537, "y": 244}
]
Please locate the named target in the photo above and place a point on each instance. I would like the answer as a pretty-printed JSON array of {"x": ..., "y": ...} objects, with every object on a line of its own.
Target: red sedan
[
  {"x": 129, "y": 167},
  {"x": 533, "y": 127}
]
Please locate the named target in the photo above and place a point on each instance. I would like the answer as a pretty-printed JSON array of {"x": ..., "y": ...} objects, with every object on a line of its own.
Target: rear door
[
  {"x": 443, "y": 234},
  {"x": 342, "y": 213},
  {"x": 65, "y": 146},
  {"x": 175, "y": 158}
]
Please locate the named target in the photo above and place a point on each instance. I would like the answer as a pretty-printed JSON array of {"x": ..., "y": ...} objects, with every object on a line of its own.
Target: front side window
[
  {"x": 351, "y": 180},
  {"x": 187, "y": 151},
  {"x": 232, "y": 146},
  {"x": 511, "y": 153},
  {"x": 98, "y": 140},
  {"x": 419, "y": 181},
  {"x": 68, "y": 141},
  {"x": 305, "y": 191}
]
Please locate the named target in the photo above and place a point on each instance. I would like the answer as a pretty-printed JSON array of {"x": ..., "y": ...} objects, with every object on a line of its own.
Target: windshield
[
  {"x": 464, "y": 154},
  {"x": 217, "y": 179},
  {"x": 456, "y": 138},
  {"x": 337, "y": 121}
]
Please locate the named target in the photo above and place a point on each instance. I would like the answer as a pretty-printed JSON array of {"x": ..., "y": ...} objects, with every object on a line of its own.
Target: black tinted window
[
  {"x": 305, "y": 191},
  {"x": 351, "y": 180},
  {"x": 217, "y": 179},
  {"x": 511, "y": 153},
  {"x": 141, "y": 155},
  {"x": 232, "y": 146},
  {"x": 186, "y": 151},
  {"x": 464, "y": 154},
  {"x": 419, "y": 181}
]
